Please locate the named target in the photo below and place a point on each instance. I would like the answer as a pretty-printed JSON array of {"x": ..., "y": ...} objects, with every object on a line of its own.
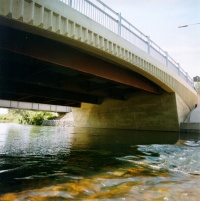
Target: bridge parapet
[{"x": 107, "y": 17}]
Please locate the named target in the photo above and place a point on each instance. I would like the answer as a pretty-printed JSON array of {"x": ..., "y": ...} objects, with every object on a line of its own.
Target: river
[{"x": 52, "y": 163}]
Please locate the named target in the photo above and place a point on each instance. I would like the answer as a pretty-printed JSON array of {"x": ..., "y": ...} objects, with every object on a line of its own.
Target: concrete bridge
[{"x": 86, "y": 56}]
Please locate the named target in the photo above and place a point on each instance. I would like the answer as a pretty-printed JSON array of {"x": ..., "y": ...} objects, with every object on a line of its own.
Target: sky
[
  {"x": 160, "y": 20},
  {"x": 3, "y": 111}
]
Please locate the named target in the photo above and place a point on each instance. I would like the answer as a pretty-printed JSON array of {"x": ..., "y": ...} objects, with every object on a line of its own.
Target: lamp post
[
  {"x": 197, "y": 78},
  {"x": 187, "y": 25}
]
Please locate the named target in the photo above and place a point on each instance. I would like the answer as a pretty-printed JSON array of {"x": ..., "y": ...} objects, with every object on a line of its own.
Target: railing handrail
[{"x": 121, "y": 24}]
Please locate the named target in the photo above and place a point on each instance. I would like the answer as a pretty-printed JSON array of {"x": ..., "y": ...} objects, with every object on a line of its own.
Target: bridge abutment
[{"x": 143, "y": 111}]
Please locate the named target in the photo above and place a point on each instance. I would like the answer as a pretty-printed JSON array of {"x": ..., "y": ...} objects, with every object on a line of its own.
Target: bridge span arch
[{"x": 64, "y": 57}]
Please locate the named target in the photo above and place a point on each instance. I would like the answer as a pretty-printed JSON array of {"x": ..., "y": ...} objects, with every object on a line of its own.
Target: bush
[{"x": 35, "y": 118}]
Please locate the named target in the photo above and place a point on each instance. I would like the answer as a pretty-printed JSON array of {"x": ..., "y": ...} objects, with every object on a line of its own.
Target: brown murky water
[{"x": 49, "y": 163}]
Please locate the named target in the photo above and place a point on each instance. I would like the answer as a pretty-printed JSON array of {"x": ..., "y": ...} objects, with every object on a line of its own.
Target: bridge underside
[{"x": 37, "y": 69}]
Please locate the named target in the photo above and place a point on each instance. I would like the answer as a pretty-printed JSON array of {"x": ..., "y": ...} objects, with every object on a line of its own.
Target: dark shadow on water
[
  {"x": 125, "y": 137},
  {"x": 189, "y": 135}
]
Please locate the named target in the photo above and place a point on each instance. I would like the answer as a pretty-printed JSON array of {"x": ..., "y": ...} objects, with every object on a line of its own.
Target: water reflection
[
  {"x": 22, "y": 140},
  {"x": 49, "y": 163},
  {"x": 29, "y": 140}
]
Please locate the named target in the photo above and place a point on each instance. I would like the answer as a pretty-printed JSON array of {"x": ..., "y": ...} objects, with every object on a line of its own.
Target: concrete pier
[{"x": 143, "y": 111}]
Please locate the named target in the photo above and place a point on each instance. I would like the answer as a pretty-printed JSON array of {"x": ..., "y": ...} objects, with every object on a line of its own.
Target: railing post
[
  {"x": 167, "y": 58},
  {"x": 148, "y": 45},
  {"x": 70, "y": 3},
  {"x": 119, "y": 23},
  {"x": 178, "y": 68},
  {"x": 187, "y": 77},
  {"x": 120, "y": 27}
]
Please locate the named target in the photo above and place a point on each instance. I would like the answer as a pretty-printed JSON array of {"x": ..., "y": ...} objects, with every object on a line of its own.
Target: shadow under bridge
[{"x": 40, "y": 70}]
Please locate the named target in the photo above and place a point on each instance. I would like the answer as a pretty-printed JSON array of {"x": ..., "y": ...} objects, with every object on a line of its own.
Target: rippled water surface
[{"x": 49, "y": 163}]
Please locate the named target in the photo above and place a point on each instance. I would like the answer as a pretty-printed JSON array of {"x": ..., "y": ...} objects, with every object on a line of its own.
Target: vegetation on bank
[
  {"x": 27, "y": 117},
  {"x": 9, "y": 118},
  {"x": 197, "y": 86}
]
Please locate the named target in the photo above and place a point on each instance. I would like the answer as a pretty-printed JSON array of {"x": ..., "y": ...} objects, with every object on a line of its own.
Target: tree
[
  {"x": 197, "y": 86},
  {"x": 36, "y": 118}
]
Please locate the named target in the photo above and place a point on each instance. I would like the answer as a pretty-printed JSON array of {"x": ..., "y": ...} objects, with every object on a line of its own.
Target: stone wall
[{"x": 65, "y": 121}]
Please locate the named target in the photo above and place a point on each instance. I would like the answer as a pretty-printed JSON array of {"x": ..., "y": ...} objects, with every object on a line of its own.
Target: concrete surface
[
  {"x": 192, "y": 122},
  {"x": 143, "y": 111}
]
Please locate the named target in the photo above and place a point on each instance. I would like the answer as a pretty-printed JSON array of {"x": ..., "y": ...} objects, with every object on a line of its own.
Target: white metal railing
[{"x": 107, "y": 17}]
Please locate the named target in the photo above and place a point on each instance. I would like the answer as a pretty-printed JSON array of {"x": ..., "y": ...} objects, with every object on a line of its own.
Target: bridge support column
[{"x": 143, "y": 111}]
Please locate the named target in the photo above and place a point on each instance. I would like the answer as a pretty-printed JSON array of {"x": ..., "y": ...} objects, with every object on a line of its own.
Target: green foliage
[
  {"x": 35, "y": 118},
  {"x": 3, "y": 118},
  {"x": 16, "y": 111},
  {"x": 197, "y": 86}
]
